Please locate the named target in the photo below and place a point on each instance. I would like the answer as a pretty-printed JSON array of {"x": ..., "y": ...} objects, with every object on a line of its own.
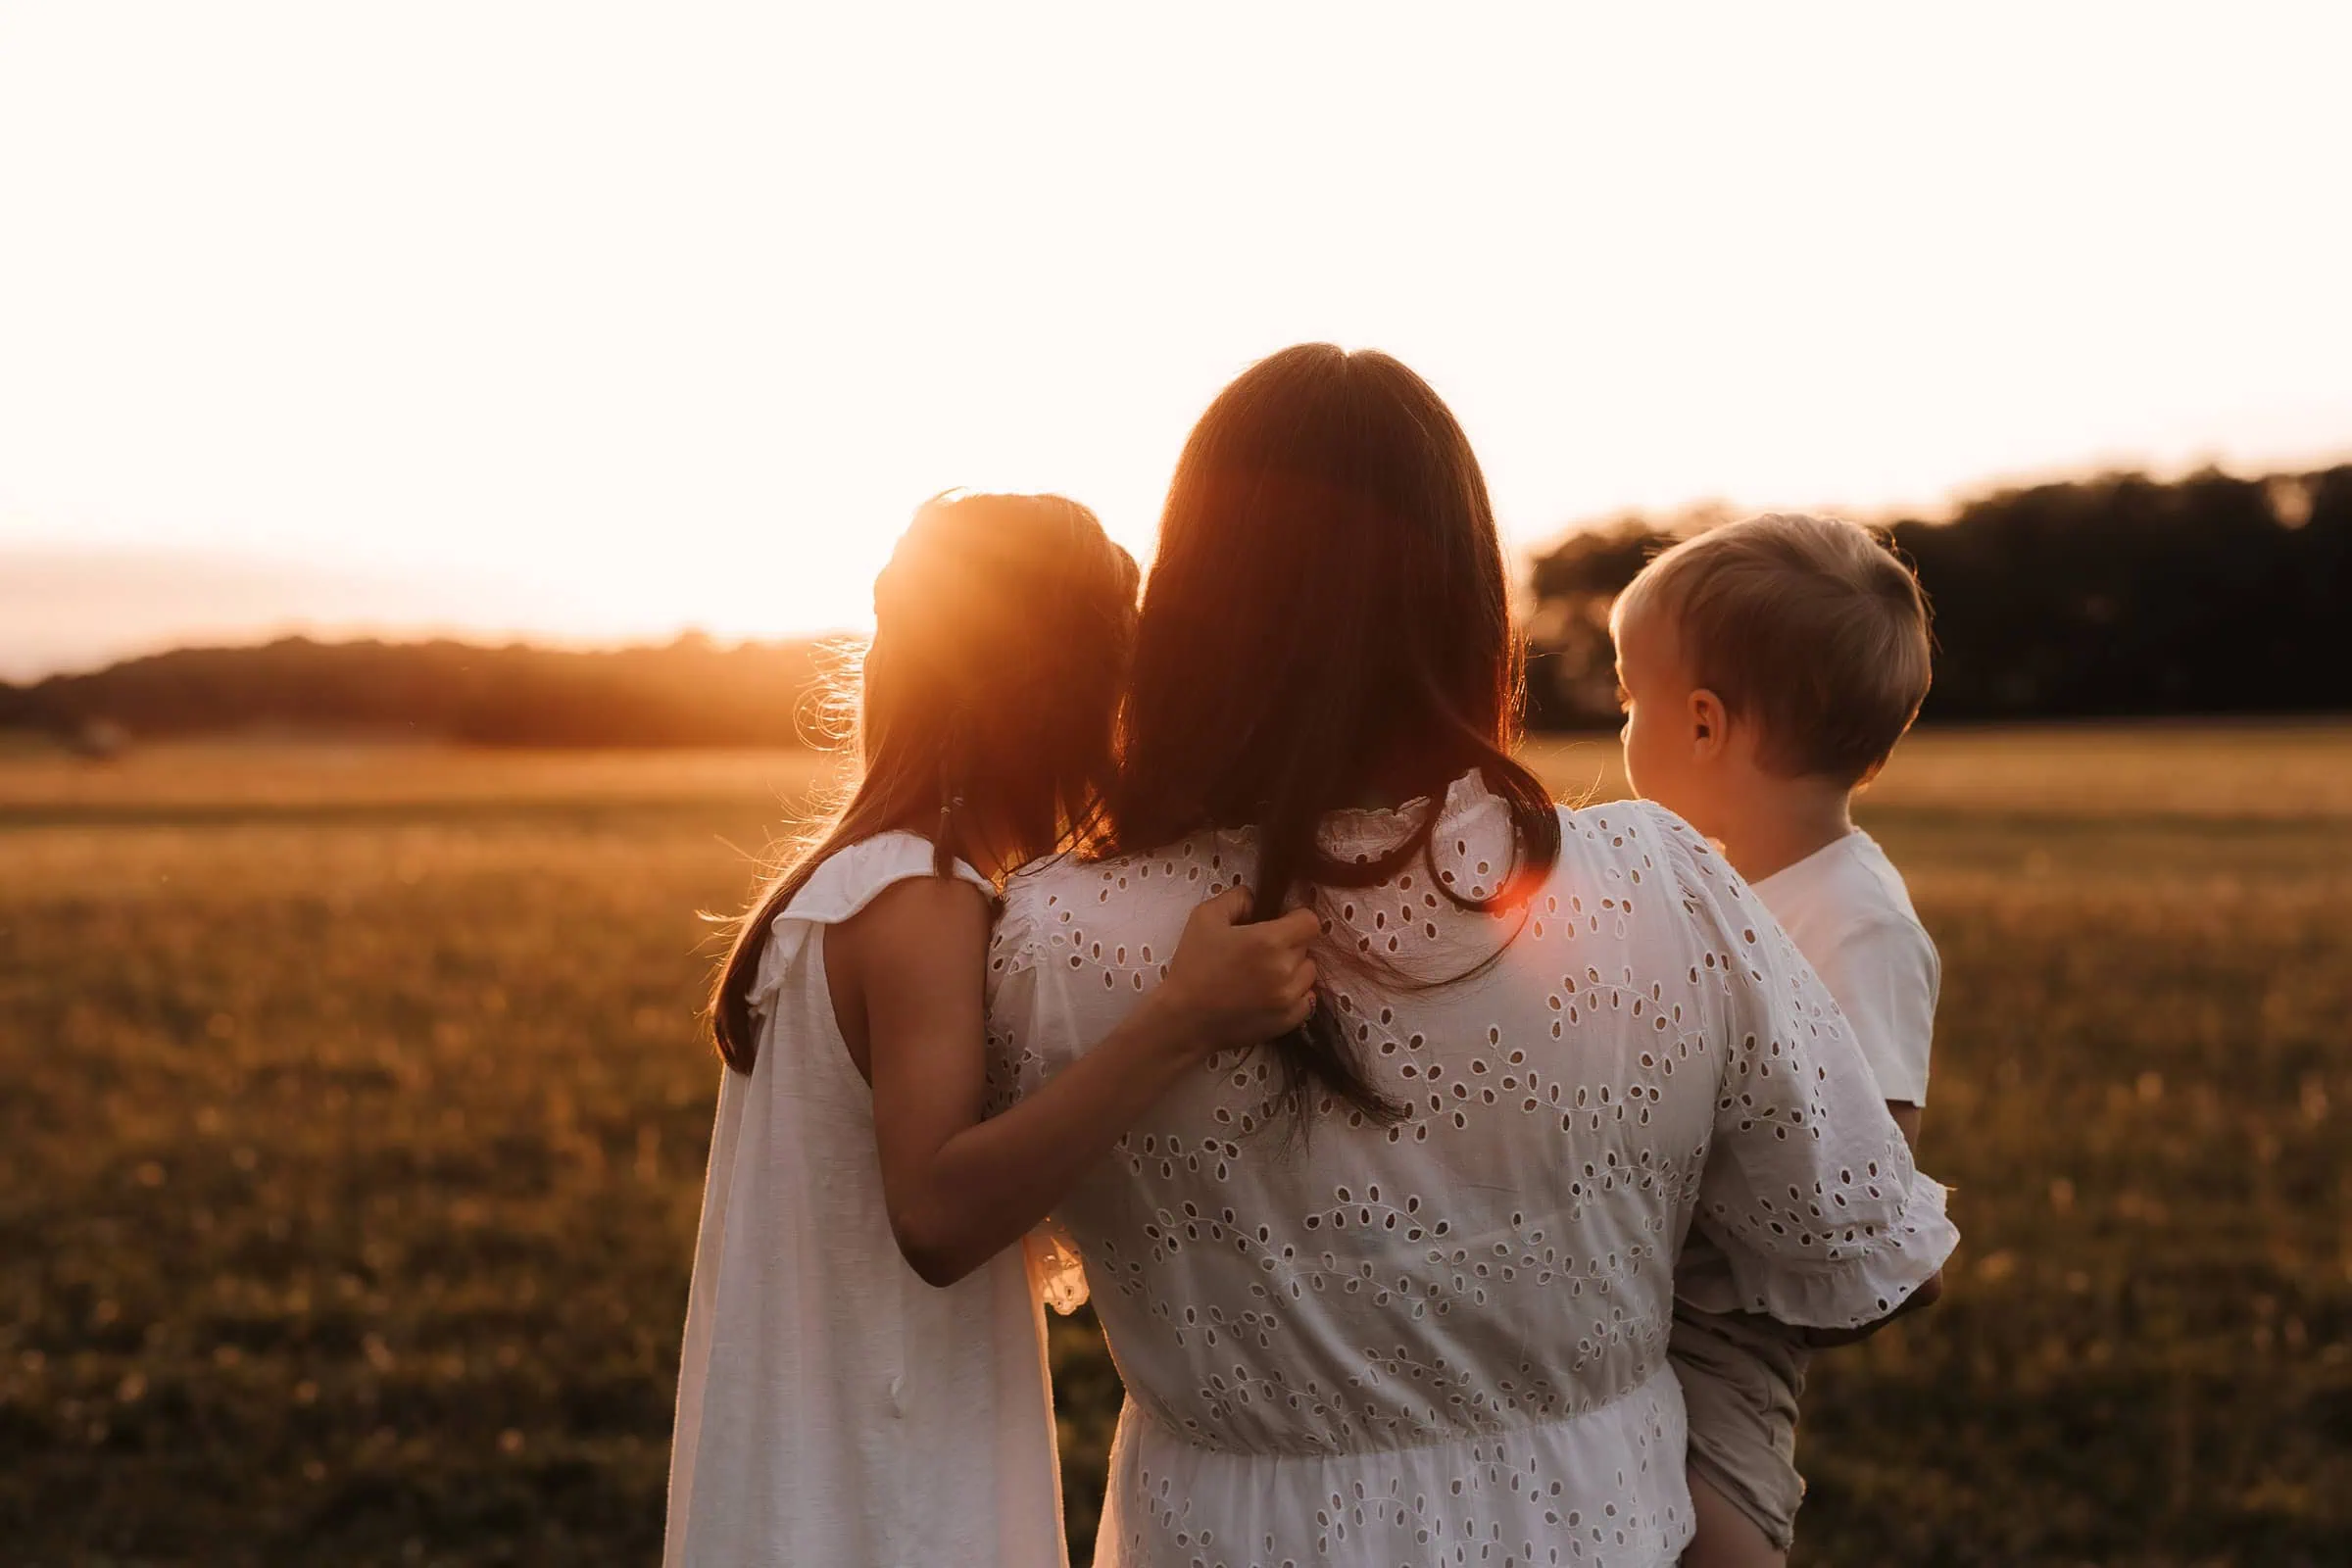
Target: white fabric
[
  {"x": 1445, "y": 1342},
  {"x": 832, "y": 1407},
  {"x": 1846, "y": 907}
]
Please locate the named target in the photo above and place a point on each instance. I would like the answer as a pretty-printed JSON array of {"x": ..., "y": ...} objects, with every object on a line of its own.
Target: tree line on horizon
[
  {"x": 2111, "y": 597},
  {"x": 2119, "y": 596},
  {"x": 690, "y": 692}
]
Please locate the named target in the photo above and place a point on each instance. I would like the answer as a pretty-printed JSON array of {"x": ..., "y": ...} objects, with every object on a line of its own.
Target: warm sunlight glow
[{"x": 596, "y": 323}]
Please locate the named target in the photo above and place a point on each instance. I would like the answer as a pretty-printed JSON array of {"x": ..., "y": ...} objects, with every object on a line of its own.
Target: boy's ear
[{"x": 1710, "y": 724}]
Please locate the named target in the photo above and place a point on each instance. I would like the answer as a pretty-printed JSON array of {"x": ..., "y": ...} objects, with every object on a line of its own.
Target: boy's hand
[{"x": 1233, "y": 984}]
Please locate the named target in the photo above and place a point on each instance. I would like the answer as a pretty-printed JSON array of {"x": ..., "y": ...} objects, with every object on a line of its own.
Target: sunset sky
[{"x": 600, "y": 322}]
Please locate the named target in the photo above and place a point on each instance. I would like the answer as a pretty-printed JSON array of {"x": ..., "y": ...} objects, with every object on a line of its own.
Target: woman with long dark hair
[{"x": 1397, "y": 1289}]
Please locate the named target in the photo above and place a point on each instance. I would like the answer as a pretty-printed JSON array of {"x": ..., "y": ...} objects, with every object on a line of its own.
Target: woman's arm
[
  {"x": 961, "y": 1188},
  {"x": 1930, "y": 1291},
  {"x": 1906, "y": 1121},
  {"x": 1809, "y": 1187}
]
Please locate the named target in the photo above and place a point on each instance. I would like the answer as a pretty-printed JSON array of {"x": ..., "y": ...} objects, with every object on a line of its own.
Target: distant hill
[
  {"x": 2114, "y": 597},
  {"x": 692, "y": 692},
  {"x": 2117, "y": 596}
]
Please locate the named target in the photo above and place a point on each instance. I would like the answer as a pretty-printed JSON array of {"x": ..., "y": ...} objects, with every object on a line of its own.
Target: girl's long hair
[
  {"x": 1002, "y": 630},
  {"x": 1327, "y": 623}
]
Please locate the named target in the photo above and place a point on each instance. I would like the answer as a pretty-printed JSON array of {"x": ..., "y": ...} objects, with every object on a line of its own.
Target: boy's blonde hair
[{"x": 1811, "y": 626}]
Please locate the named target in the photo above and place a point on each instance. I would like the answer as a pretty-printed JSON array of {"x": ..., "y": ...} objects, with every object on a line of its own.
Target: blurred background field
[{"x": 352, "y": 1125}]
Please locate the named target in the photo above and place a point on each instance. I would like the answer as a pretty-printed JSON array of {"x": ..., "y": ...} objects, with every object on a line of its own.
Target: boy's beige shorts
[{"x": 1741, "y": 1377}]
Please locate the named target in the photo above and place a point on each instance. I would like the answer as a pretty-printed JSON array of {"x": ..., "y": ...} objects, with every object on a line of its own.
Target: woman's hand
[{"x": 1234, "y": 984}]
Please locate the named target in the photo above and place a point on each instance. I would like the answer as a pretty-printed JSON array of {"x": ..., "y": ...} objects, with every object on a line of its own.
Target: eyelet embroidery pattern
[
  {"x": 1487, "y": 1287},
  {"x": 1416, "y": 1526}
]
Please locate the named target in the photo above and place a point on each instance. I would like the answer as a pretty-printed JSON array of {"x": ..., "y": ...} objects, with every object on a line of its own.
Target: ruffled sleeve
[
  {"x": 1809, "y": 1188},
  {"x": 846, "y": 883}
]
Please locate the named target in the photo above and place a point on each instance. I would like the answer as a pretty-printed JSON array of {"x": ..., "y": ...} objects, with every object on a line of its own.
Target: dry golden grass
[
  {"x": 353, "y": 1130},
  {"x": 221, "y": 778}
]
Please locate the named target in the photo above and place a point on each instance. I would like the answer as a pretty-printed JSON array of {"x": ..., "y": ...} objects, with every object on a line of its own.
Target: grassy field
[{"x": 351, "y": 1128}]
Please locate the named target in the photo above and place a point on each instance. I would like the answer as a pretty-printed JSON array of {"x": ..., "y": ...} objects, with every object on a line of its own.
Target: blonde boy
[{"x": 1766, "y": 670}]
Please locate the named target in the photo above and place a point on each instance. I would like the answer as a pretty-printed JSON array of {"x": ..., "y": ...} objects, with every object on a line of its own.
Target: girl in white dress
[
  {"x": 1398, "y": 1289},
  {"x": 863, "y": 1381}
]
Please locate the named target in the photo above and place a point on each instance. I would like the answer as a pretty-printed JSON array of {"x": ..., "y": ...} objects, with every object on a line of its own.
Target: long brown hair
[
  {"x": 1002, "y": 628},
  {"x": 1327, "y": 622}
]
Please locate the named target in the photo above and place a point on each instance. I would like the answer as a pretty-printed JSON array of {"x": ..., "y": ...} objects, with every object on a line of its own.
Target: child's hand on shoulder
[{"x": 1234, "y": 982}]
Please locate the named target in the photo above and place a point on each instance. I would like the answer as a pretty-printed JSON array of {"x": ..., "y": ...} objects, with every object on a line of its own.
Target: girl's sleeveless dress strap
[{"x": 847, "y": 882}]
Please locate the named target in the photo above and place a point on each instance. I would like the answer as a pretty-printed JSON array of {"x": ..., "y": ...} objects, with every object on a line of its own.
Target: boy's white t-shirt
[{"x": 1847, "y": 910}]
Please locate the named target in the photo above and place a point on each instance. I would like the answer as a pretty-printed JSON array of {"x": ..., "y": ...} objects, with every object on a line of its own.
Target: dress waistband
[{"x": 1648, "y": 1383}]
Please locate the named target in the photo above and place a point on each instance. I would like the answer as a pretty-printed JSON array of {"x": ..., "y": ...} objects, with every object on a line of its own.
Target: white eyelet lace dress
[
  {"x": 835, "y": 1411},
  {"x": 1445, "y": 1342}
]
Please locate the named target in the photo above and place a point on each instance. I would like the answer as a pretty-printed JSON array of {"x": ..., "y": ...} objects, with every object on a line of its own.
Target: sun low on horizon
[{"x": 595, "y": 325}]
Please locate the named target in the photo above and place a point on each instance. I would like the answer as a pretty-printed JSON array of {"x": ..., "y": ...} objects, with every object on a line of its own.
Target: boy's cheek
[
  {"x": 1628, "y": 744},
  {"x": 1641, "y": 770},
  {"x": 1661, "y": 774}
]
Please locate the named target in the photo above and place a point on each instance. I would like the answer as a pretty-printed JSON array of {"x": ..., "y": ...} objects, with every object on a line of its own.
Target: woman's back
[{"x": 1444, "y": 1339}]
